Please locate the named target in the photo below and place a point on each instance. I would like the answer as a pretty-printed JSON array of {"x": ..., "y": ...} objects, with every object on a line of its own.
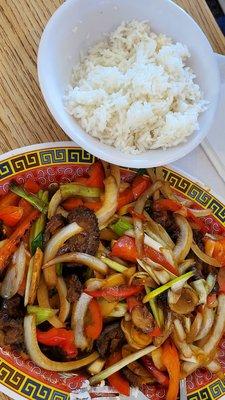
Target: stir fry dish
[{"x": 119, "y": 279}]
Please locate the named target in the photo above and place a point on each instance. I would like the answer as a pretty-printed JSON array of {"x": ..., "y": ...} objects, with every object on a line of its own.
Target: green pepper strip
[
  {"x": 167, "y": 286},
  {"x": 41, "y": 313},
  {"x": 121, "y": 226},
  {"x": 113, "y": 264},
  {"x": 71, "y": 189},
  {"x": 36, "y": 202}
]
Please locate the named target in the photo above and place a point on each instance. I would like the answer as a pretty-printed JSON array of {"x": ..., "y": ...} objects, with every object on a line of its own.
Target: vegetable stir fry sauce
[{"x": 121, "y": 279}]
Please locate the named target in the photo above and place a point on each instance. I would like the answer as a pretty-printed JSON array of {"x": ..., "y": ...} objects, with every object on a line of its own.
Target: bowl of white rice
[{"x": 134, "y": 82}]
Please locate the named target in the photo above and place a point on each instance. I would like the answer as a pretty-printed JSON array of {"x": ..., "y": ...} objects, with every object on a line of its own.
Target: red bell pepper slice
[
  {"x": 159, "y": 258},
  {"x": 137, "y": 215},
  {"x": 31, "y": 186},
  {"x": 174, "y": 206},
  {"x": 11, "y": 215},
  {"x": 95, "y": 178},
  {"x": 221, "y": 280},
  {"x": 116, "y": 380},
  {"x": 166, "y": 205},
  {"x": 93, "y": 205},
  {"x": 94, "y": 328},
  {"x": 155, "y": 372},
  {"x": 117, "y": 292},
  {"x": 137, "y": 187},
  {"x": 155, "y": 332},
  {"x": 170, "y": 358},
  {"x": 72, "y": 203},
  {"x": 10, "y": 199},
  {"x": 216, "y": 249},
  {"x": 60, "y": 337},
  {"x": 125, "y": 248},
  {"x": 10, "y": 246},
  {"x": 132, "y": 302}
]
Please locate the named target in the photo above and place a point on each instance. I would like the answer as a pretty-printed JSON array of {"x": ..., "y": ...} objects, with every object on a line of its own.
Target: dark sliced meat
[
  {"x": 12, "y": 313},
  {"x": 11, "y": 308},
  {"x": 2, "y": 231},
  {"x": 198, "y": 238},
  {"x": 171, "y": 227},
  {"x": 54, "y": 353},
  {"x": 88, "y": 240},
  {"x": 166, "y": 219},
  {"x": 110, "y": 340},
  {"x": 54, "y": 224},
  {"x": 74, "y": 288},
  {"x": 133, "y": 379},
  {"x": 52, "y": 189}
]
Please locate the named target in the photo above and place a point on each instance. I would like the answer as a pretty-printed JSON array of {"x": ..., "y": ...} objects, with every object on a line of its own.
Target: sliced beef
[
  {"x": 133, "y": 379},
  {"x": 198, "y": 238},
  {"x": 52, "y": 189},
  {"x": 2, "y": 231},
  {"x": 74, "y": 288},
  {"x": 54, "y": 353},
  {"x": 11, "y": 322},
  {"x": 166, "y": 219},
  {"x": 54, "y": 224},
  {"x": 88, "y": 240},
  {"x": 110, "y": 340}
]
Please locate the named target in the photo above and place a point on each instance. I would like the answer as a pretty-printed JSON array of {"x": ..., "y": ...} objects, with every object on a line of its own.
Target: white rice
[{"x": 134, "y": 92}]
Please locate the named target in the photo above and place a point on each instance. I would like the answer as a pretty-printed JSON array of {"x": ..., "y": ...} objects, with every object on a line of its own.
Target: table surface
[{"x": 24, "y": 118}]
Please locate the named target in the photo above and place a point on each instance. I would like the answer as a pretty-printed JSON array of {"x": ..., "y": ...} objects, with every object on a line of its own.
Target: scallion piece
[
  {"x": 114, "y": 265},
  {"x": 121, "y": 226},
  {"x": 59, "y": 269},
  {"x": 31, "y": 198},
  {"x": 156, "y": 311},
  {"x": 167, "y": 286},
  {"x": 41, "y": 314},
  {"x": 72, "y": 189}
]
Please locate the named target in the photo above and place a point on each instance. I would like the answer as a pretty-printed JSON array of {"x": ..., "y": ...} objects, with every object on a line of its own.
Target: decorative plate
[{"x": 63, "y": 162}]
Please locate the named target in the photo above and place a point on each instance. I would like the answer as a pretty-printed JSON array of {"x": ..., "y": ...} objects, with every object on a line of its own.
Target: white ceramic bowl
[{"x": 78, "y": 24}]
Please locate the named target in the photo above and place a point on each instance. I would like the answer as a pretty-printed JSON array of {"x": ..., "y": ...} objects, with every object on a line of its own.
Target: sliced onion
[
  {"x": 109, "y": 205},
  {"x": 149, "y": 270},
  {"x": 200, "y": 288},
  {"x": 43, "y": 301},
  {"x": 187, "y": 324},
  {"x": 207, "y": 323},
  {"x": 62, "y": 211},
  {"x": 159, "y": 231},
  {"x": 162, "y": 275},
  {"x": 183, "y": 347},
  {"x": 138, "y": 224},
  {"x": 86, "y": 259},
  {"x": 185, "y": 265},
  {"x": 53, "y": 247},
  {"x": 119, "y": 310},
  {"x": 218, "y": 328},
  {"x": 184, "y": 241},
  {"x": 54, "y": 203},
  {"x": 33, "y": 277},
  {"x": 15, "y": 273},
  {"x": 188, "y": 368},
  {"x": 94, "y": 283},
  {"x": 214, "y": 366},
  {"x": 179, "y": 330},
  {"x": 147, "y": 240},
  {"x": 80, "y": 312},
  {"x": 41, "y": 360},
  {"x": 195, "y": 328},
  {"x": 210, "y": 282},
  {"x": 115, "y": 172},
  {"x": 200, "y": 213},
  {"x": 64, "y": 304},
  {"x": 207, "y": 259}
]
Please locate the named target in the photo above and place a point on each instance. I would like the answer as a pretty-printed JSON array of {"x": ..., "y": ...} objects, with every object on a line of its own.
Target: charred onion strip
[
  {"x": 41, "y": 360},
  {"x": 52, "y": 248},
  {"x": 185, "y": 238},
  {"x": 43, "y": 301},
  {"x": 207, "y": 259},
  {"x": 109, "y": 205},
  {"x": 85, "y": 259},
  {"x": 33, "y": 277},
  {"x": 121, "y": 364},
  {"x": 138, "y": 224},
  {"x": 64, "y": 304}
]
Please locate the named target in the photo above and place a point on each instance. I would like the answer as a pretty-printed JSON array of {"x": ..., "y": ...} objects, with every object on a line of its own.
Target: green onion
[
  {"x": 37, "y": 242},
  {"x": 167, "y": 286},
  {"x": 41, "y": 314},
  {"x": 31, "y": 198},
  {"x": 37, "y": 230},
  {"x": 113, "y": 264},
  {"x": 72, "y": 189},
  {"x": 156, "y": 311},
  {"x": 121, "y": 226},
  {"x": 59, "y": 269},
  {"x": 121, "y": 364}
]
